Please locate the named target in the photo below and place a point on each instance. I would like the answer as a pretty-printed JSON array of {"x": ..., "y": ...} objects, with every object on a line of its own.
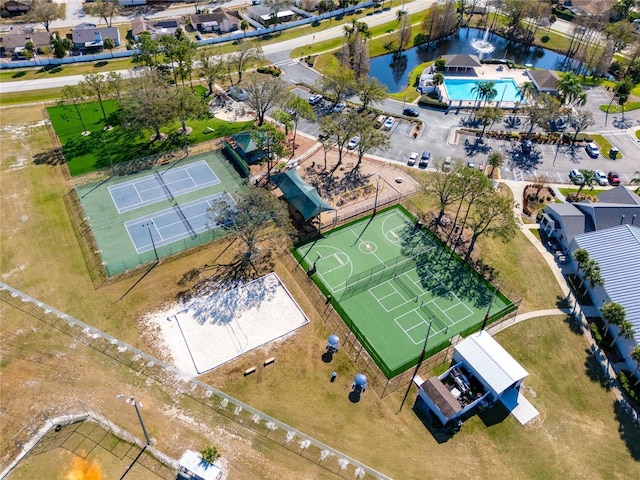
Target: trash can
[{"x": 613, "y": 153}]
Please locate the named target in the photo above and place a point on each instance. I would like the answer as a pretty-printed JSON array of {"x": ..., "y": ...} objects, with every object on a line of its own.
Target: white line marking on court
[{"x": 338, "y": 259}]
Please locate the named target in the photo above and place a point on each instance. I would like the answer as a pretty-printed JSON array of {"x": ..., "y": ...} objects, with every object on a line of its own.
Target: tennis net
[
  {"x": 166, "y": 190},
  {"x": 180, "y": 213}
]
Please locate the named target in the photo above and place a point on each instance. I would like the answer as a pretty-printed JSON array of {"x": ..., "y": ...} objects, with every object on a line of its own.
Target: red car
[{"x": 614, "y": 178}]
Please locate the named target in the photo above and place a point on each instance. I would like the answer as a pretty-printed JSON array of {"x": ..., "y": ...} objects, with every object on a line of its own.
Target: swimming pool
[{"x": 463, "y": 89}]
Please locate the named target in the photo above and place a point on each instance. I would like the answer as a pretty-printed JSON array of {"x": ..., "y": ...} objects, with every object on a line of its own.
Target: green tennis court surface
[
  {"x": 390, "y": 280},
  {"x": 164, "y": 211}
]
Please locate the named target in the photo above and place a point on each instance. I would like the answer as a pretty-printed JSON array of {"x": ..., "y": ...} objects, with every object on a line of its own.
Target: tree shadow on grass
[
  {"x": 593, "y": 368},
  {"x": 52, "y": 157},
  {"x": 629, "y": 430},
  {"x": 19, "y": 74}
]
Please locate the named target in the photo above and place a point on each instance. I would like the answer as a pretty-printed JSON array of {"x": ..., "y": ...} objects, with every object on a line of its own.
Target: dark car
[
  {"x": 614, "y": 178},
  {"x": 411, "y": 112},
  {"x": 424, "y": 159},
  {"x": 527, "y": 146}
]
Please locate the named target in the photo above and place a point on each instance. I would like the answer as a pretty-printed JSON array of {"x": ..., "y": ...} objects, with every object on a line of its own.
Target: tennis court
[
  {"x": 166, "y": 209},
  {"x": 175, "y": 223},
  {"x": 389, "y": 280},
  {"x": 162, "y": 185}
]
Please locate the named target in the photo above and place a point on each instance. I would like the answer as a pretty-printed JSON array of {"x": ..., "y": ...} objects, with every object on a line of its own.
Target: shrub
[
  {"x": 426, "y": 101},
  {"x": 595, "y": 333},
  {"x": 271, "y": 70},
  {"x": 545, "y": 39}
]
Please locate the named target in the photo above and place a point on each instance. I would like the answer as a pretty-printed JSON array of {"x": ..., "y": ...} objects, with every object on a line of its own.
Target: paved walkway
[{"x": 580, "y": 313}]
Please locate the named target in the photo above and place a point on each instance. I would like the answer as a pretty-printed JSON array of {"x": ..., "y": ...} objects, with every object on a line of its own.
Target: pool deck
[{"x": 487, "y": 72}]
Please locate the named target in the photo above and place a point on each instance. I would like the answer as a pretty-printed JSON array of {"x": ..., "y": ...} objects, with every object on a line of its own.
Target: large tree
[
  {"x": 179, "y": 53},
  {"x": 492, "y": 216},
  {"x": 150, "y": 106},
  {"x": 337, "y": 81},
  {"x": 580, "y": 120},
  {"x": 188, "y": 104},
  {"x": 488, "y": 116},
  {"x": 105, "y": 9},
  {"x": 271, "y": 140},
  {"x": 299, "y": 109},
  {"x": 97, "y": 85},
  {"x": 543, "y": 111},
  {"x": 370, "y": 90},
  {"x": 259, "y": 221},
  {"x": 73, "y": 98},
  {"x": 264, "y": 93},
  {"x": 355, "y": 51},
  {"x": 404, "y": 31},
  {"x": 570, "y": 90},
  {"x": 147, "y": 51},
  {"x": 44, "y": 12},
  {"x": 338, "y": 131},
  {"x": 245, "y": 53},
  {"x": 370, "y": 137},
  {"x": 447, "y": 188},
  {"x": 212, "y": 69}
]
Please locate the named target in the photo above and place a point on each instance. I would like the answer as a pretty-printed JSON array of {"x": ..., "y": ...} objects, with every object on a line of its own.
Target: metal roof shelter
[
  {"x": 300, "y": 194},
  {"x": 490, "y": 363}
]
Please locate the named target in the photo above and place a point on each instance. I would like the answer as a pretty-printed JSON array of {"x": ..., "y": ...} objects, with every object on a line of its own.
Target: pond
[{"x": 394, "y": 71}]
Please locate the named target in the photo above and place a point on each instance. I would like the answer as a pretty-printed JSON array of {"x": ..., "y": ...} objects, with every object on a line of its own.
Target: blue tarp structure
[{"x": 300, "y": 194}]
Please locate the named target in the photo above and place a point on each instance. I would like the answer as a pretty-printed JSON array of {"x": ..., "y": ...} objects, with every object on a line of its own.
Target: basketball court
[{"x": 390, "y": 280}]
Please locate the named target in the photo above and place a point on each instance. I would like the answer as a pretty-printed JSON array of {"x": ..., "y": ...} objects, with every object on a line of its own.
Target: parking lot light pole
[
  {"x": 375, "y": 201},
  {"x": 133, "y": 401}
]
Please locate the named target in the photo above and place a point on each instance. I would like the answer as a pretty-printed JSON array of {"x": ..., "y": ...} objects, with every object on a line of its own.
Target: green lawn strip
[
  {"x": 614, "y": 108},
  {"x": 587, "y": 191},
  {"x": 638, "y": 134},
  {"x": 98, "y": 150},
  {"x": 67, "y": 69},
  {"x": 604, "y": 145},
  {"x": 31, "y": 96}
]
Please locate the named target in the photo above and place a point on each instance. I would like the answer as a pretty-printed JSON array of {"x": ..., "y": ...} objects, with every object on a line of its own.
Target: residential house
[
  {"x": 12, "y": 8},
  {"x": 157, "y": 28},
  {"x": 590, "y": 8},
  {"x": 14, "y": 43},
  {"x": 219, "y": 20},
  {"x": 88, "y": 36}
]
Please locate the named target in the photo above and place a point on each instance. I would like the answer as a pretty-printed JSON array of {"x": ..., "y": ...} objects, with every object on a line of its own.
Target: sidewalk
[{"x": 574, "y": 309}]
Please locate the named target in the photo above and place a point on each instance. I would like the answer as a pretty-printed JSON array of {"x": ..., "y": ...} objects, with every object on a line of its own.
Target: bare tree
[
  {"x": 96, "y": 84},
  {"x": 73, "y": 97},
  {"x": 212, "y": 69},
  {"x": 493, "y": 216},
  {"x": 264, "y": 93},
  {"x": 245, "y": 53},
  {"x": 44, "y": 12},
  {"x": 105, "y": 9}
]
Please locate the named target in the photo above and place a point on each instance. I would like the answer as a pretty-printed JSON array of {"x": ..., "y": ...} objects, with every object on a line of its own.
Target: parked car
[
  {"x": 592, "y": 149},
  {"x": 413, "y": 158},
  {"x": 424, "y": 159},
  {"x": 323, "y": 136},
  {"x": 353, "y": 142},
  {"x": 411, "y": 112},
  {"x": 446, "y": 165},
  {"x": 614, "y": 178},
  {"x": 388, "y": 123},
  {"x": 340, "y": 106},
  {"x": 527, "y": 146},
  {"x": 601, "y": 177},
  {"x": 380, "y": 120},
  {"x": 576, "y": 176},
  {"x": 471, "y": 164},
  {"x": 315, "y": 99}
]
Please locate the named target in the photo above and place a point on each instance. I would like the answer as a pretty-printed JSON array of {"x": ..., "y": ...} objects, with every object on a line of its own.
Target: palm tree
[
  {"x": 487, "y": 116},
  {"x": 634, "y": 354},
  {"x": 612, "y": 313},
  {"x": 570, "y": 90},
  {"x": 589, "y": 177},
  {"x": 626, "y": 329},
  {"x": 495, "y": 160},
  {"x": 485, "y": 90},
  {"x": 527, "y": 89},
  {"x": 244, "y": 26}
]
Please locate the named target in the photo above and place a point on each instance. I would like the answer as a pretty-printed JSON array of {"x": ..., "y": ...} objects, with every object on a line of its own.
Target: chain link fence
[{"x": 143, "y": 364}]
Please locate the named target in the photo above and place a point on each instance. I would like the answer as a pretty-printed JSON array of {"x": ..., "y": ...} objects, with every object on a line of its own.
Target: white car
[
  {"x": 353, "y": 143},
  {"x": 601, "y": 177},
  {"x": 340, "y": 106},
  {"x": 315, "y": 99},
  {"x": 413, "y": 158},
  {"x": 388, "y": 123}
]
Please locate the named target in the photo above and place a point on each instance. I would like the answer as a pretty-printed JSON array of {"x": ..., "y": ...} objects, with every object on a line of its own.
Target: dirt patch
[{"x": 535, "y": 197}]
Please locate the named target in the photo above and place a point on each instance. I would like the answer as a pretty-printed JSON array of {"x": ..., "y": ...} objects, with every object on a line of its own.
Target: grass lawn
[
  {"x": 615, "y": 108},
  {"x": 588, "y": 191},
  {"x": 68, "y": 69},
  {"x": 604, "y": 145},
  {"x": 88, "y": 153},
  {"x": 580, "y": 435}
]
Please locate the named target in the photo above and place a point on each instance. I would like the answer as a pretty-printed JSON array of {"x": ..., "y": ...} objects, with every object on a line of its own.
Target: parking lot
[{"x": 551, "y": 162}]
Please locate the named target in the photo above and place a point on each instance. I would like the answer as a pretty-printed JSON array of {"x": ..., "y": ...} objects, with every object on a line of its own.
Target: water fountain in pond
[{"x": 483, "y": 46}]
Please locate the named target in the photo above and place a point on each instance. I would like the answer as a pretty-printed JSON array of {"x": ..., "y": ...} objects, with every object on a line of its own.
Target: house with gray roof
[
  {"x": 617, "y": 252},
  {"x": 9, "y": 42},
  {"x": 616, "y": 206},
  {"x": 219, "y": 20},
  {"x": 87, "y": 36},
  {"x": 157, "y": 28}
]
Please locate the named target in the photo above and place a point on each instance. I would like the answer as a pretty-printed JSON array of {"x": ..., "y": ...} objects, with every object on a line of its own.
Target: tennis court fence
[
  {"x": 185, "y": 220},
  {"x": 165, "y": 189}
]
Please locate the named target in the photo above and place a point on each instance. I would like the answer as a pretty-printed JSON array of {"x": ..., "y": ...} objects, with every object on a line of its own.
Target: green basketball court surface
[
  {"x": 161, "y": 211},
  {"x": 389, "y": 279}
]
